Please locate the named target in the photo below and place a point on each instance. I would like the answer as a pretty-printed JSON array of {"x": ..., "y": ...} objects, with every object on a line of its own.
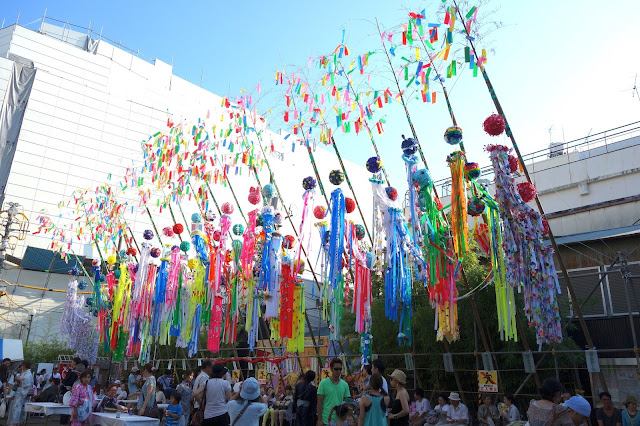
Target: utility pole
[
  {"x": 8, "y": 218},
  {"x": 626, "y": 278}
]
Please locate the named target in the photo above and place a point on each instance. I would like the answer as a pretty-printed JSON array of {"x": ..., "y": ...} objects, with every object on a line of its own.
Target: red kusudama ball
[
  {"x": 391, "y": 193},
  {"x": 319, "y": 212},
  {"x": 287, "y": 241},
  {"x": 216, "y": 236},
  {"x": 168, "y": 231},
  {"x": 227, "y": 208},
  {"x": 350, "y": 205},
  {"x": 494, "y": 125},
  {"x": 527, "y": 191},
  {"x": 178, "y": 228},
  {"x": 513, "y": 163}
]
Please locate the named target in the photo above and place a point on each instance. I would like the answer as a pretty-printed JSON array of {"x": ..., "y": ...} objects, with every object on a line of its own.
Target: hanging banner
[
  {"x": 487, "y": 362},
  {"x": 448, "y": 362},
  {"x": 408, "y": 362},
  {"x": 487, "y": 381},
  {"x": 593, "y": 365},
  {"x": 529, "y": 363}
]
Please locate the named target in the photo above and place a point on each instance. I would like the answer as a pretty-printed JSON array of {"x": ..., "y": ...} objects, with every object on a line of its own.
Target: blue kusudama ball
[
  {"x": 147, "y": 234},
  {"x": 82, "y": 285},
  {"x": 336, "y": 177},
  {"x": 74, "y": 271},
  {"x": 374, "y": 164},
  {"x": 196, "y": 218},
  {"x": 309, "y": 183},
  {"x": 453, "y": 135},
  {"x": 409, "y": 146},
  {"x": 269, "y": 190},
  {"x": 423, "y": 178},
  {"x": 185, "y": 246}
]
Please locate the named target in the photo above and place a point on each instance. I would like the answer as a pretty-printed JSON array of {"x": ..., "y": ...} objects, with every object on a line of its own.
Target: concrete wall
[{"x": 86, "y": 118}]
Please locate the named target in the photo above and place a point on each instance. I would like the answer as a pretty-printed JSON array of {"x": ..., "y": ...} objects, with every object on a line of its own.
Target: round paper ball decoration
[
  {"x": 527, "y": 191},
  {"x": 111, "y": 260},
  {"x": 82, "y": 285},
  {"x": 287, "y": 241},
  {"x": 472, "y": 170},
  {"x": 254, "y": 195},
  {"x": 494, "y": 125},
  {"x": 131, "y": 251},
  {"x": 216, "y": 236},
  {"x": 117, "y": 274},
  {"x": 269, "y": 190},
  {"x": 178, "y": 228},
  {"x": 374, "y": 164},
  {"x": 196, "y": 218},
  {"x": 453, "y": 135},
  {"x": 319, "y": 212},
  {"x": 299, "y": 265},
  {"x": 168, "y": 231},
  {"x": 423, "y": 178},
  {"x": 513, "y": 163},
  {"x": 147, "y": 234},
  {"x": 391, "y": 193},
  {"x": 409, "y": 146},
  {"x": 545, "y": 226},
  {"x": 210, "y": 216},
  {"x": 238, "y": 229},
  {"x": 74, "y": 271},
  {"x": 155, "y": 252},
  {"x": 227, "y": 208},
  {"x": 349, "y": 205},
  {"x": 475, "y": 207},
  {"x": 185, "y": 246},
  {"x": 369, "y": 260},
  {"x": 89, "y": 301},
  {"x": 360, "y": 232},
  {"x": 192, "y": 263},
  {"x": 336, "y": 177},
  {"x": 309, "y": 183}
]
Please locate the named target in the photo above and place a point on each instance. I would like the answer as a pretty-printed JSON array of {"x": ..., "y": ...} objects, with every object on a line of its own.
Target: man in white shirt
[
  {"x": 201, "y": 380},
  {"x": 422, "y": 408},
  {"x": 377, "y": 367},
  {"x": 458, "y": 412}
]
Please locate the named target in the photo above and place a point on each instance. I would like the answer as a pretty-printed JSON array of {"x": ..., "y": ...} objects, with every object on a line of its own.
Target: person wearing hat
[
  {"x": 331, "y": 392},
  {"x": 630, "y": 414},
  {"x": 216, "y": 393},
  {"x": 399, "y": 410},
  {"x": 132, "y": 381},
  {"x": 579, "y": 409},
  {"x": 458, "y": 412},
  {"x": 247, "y": 406}
]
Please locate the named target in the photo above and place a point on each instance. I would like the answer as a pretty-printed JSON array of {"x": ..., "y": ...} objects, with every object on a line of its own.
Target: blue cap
[{"x": 579, "y": 405}]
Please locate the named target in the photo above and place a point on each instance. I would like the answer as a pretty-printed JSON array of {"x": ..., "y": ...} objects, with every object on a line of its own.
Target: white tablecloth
[
  {"x": 47, "y": 408},
  {"x": 163, "y": 406},
  {"x": 109, "y": 419}
]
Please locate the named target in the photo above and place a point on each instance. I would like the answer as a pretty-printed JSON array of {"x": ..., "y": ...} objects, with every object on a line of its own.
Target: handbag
[
  {"x": 84, "y": 411},
  {"x": 198, "y": 415},
  {"x": 3, "y": 409}
]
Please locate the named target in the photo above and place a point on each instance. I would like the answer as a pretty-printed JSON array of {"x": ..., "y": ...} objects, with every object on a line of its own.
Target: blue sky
[{"x": 567, "y": 65}]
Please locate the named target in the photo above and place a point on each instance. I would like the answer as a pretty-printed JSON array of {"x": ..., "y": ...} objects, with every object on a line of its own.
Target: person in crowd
[
  {"x": 216, "y": 393},
  {"x": 24, "y": 386},
  {"x": 630, "y": 413},
  {"x": 122, "y": 392},
  {"x": 56, "y": 372},
  {"x": 72, "y": 375},
  {"x": 81, "y": 401},
  {"x": 110, "y": 400},
  {"x": 344, "y": 414},
  {"x": 305, "y": 399},
  {"x": 174, "y": 410},
  {"x": 41, "y": 378},
  {"x": 281, "y": 407},
  {"x": 373, "y": 404},
  {"x": 608, "y": 415},
  {"x": 166, "y": 379},
  {"x": 132, "y": 382},
  {"x": 512, "y": 413},
  {"x": 377, "y": 367},
  {"x": 566, "y": 396},
  {"x": 331, "y": 392},
  {"x": 50, "y": 394},
  {"x": 487, "y": 412},
  {"x": 441, "y": 408},
  {"x": 160, "y": 396},
  {"x": 365, "y": 377},
  {"x": 547, "y": 411},
  {"x": 201, "y": 379},
  {"x": 246, "y": 407},
  {"x": 399, "y": 410},
  {"x": 147, "y": 398},
  {"x": 578, "y": 410},
  {"x": 185, "y": 391},
  {"x": 458, "y": 413},
  {"x": 422, "y": 408}
]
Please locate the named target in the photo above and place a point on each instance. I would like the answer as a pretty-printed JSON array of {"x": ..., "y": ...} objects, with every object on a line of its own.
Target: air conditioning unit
[{"x": 556, "y": 149}]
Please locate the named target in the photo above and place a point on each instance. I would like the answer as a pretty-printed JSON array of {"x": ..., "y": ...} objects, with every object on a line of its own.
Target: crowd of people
[{"x": 208, "y": 397}]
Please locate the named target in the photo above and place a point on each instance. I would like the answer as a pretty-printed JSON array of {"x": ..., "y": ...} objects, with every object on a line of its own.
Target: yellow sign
[
  {"x": 235, "y": 375},
  {"x": 487, "y": 381},
  {"x": 262, "y": 377},
  {"x": 326, "y": 373}
]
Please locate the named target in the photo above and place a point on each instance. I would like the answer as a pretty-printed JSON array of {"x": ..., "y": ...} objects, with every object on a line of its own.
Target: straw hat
[
  {"x": 630, "y": 400},
  {"x": 399, "y": 376},
  {"x": 454, "y": 396}
]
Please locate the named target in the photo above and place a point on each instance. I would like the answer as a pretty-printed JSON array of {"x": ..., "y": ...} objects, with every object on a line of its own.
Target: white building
[{"x": 90, "y": 107}]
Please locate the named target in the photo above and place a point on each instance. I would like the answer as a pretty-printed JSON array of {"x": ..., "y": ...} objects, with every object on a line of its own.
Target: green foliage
[{"x": 45, "y": 350}]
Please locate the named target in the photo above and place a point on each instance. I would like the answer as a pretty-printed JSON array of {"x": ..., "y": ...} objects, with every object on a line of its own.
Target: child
[
  {"x": 344, "y": 413},
  {"x": 174, "y": 410}
]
